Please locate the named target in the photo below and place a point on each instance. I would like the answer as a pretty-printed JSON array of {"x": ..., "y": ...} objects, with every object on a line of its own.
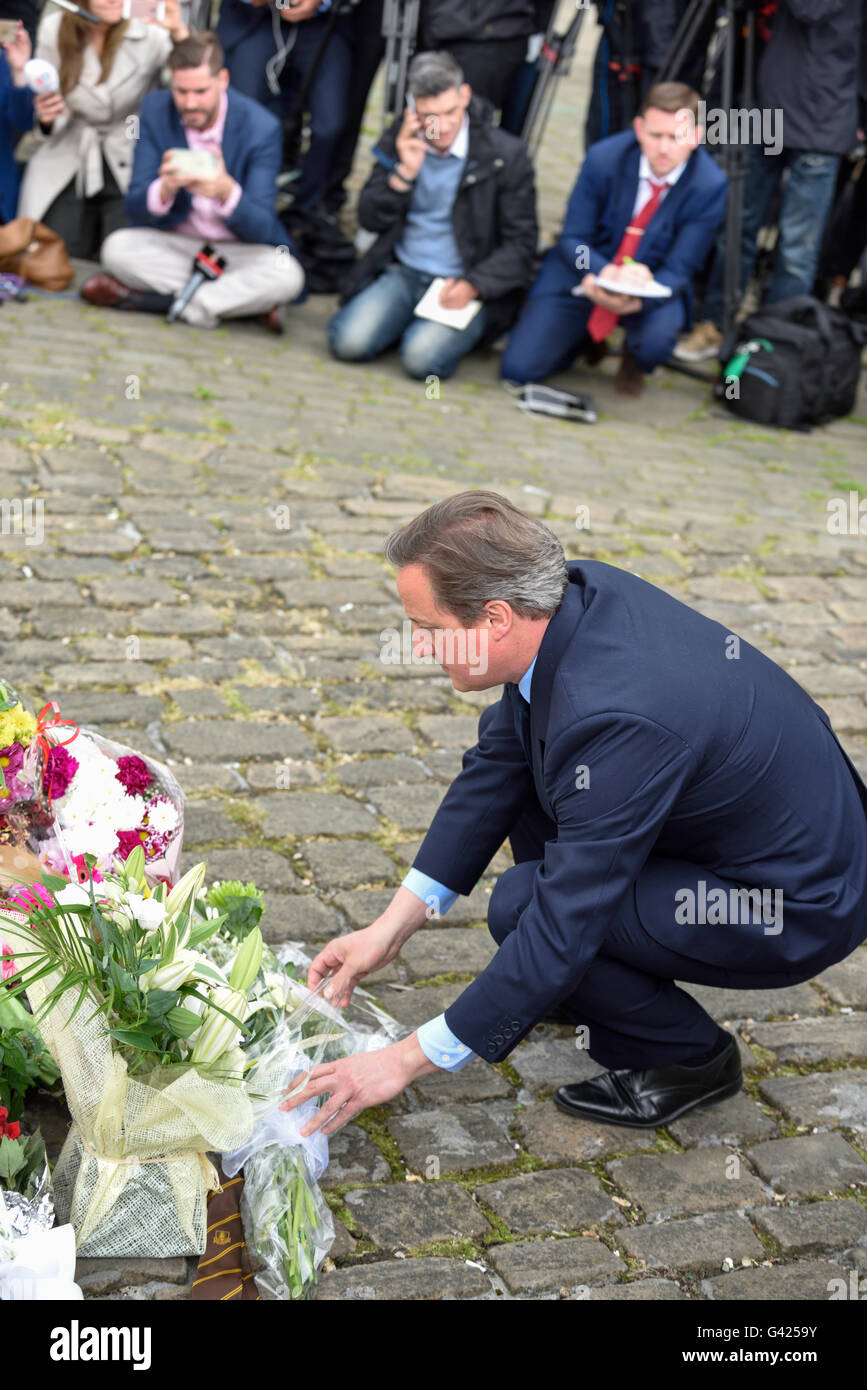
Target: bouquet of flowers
[
  {"x": 25, "y": 817},
  {"x": 146, "y": 1033},
  {"x": 287, "y": 1222},
  {"x": 107, "y": 801},
  {"x": 66, "y": 793}
]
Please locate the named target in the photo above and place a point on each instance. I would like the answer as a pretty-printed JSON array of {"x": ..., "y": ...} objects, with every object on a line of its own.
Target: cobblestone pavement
[{"x": 210, "y": 588}]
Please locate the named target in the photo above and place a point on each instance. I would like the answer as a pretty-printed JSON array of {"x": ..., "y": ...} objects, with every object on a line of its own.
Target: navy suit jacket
[
  {"x": 16, "y": 116},
  {"x": 713, "y": 761},
  {"x": 252, "y": 147},
  {"x": 678, "y": 237}
]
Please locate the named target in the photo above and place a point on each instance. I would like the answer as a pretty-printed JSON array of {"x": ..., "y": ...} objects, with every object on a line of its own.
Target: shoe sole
[
  {"x": 722, "y": 1093},
  {"x": 703, "y": 356}
]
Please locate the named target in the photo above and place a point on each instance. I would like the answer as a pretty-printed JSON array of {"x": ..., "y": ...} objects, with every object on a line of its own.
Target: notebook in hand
[{"x": 429, "y": 307}]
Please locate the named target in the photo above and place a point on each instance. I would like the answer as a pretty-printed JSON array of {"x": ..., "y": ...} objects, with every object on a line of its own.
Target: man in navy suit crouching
[
  {"x": 647, "y": 206},
  {"x": 678, "y": 809}
]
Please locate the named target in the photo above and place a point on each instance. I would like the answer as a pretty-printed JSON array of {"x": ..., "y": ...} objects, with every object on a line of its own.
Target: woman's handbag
[{"x": 32, "y": 250}]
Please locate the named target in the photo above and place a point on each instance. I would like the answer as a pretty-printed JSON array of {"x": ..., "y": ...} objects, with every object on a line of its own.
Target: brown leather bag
[{"x": 33, "y": 251}]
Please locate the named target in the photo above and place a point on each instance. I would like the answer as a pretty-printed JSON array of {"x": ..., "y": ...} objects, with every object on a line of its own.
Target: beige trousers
[{"x": 255, "y": 279}]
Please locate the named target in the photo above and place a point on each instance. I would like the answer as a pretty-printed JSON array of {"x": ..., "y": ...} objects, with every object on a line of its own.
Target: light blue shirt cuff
[
  {"x": 436, "y": 895},
  {"x": 439, "y": 1045}
]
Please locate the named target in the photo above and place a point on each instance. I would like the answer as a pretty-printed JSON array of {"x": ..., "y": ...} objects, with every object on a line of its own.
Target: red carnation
[{"x": 133, "y": 774}]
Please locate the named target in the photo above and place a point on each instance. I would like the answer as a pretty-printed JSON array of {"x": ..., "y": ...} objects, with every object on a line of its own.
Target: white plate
[{"x": 647, "y": 289}]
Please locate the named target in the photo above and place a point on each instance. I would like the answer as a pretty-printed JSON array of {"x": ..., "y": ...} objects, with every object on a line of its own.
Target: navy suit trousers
[
  {"x": 636, "y": 1015},
  {"x": 552, "y": 331}
]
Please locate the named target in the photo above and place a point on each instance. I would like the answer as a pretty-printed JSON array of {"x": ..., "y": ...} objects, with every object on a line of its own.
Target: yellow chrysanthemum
[{"x": 16, "y": 726}]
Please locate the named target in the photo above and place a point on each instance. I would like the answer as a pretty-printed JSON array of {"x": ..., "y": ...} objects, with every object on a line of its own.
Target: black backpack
[{"x": 794, "y": 364}]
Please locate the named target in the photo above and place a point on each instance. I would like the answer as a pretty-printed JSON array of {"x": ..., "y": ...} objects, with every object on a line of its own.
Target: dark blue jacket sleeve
[
  {"x": 693, "y": 243},
  {"x": 583, "y": 220},
  {"x": 19, "y": 108},
  {"x": 481, "y": 805},
  {"x": 149, "y": 151},
  {"x": 253, "y": 218},
  {"x": 605, "y": 832}
]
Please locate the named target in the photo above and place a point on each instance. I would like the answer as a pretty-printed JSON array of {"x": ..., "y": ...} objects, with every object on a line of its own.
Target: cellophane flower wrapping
[
  {"x": 287, "y": 1222},
  {"x": 162, "y": 852},
  {"x": 133, "y": 1174}
]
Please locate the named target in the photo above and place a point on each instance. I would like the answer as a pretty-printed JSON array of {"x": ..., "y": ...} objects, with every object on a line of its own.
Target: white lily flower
[
  {"x": 173, "y": 975},
  {"x": 219, "y": 1034},
  {"x": 149, "y": 913}
]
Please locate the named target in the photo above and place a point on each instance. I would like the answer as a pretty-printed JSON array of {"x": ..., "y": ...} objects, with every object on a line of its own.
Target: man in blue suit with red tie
[
  {"x": 649, "y": 197},
  {"x": 678, "y": 809}
]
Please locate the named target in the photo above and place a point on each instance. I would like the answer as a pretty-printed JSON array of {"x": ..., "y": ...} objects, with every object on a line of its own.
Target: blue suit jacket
[
  {"x": 16, "y": 116},
  {"x": 678, "y": 237},
  {"x": 252, "y": 145},
  {"x": 715, "y": 763}
]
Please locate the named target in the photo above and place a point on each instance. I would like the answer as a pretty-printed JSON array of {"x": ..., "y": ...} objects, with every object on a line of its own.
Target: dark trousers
[
  {"x": 246, "y": 59},
  {"x": 489, "y": 67},
  {"x": 552, "y": 331},
  {"x": 635, "y": 1014},
  {"x": 368, "y": 49},
  {"x": 84, "y": 223}
]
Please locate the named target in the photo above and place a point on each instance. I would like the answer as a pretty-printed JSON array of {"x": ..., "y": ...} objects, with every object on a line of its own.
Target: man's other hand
[
  {"x": 297, "y": 13},
  {"x": 618, "y": 303},
  {"x": 456, "y": 294},
  {"x": 355, "y": 1083}
]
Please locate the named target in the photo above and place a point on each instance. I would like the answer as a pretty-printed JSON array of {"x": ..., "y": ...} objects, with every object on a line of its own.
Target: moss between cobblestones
[{"x": 374, "y": 1122}]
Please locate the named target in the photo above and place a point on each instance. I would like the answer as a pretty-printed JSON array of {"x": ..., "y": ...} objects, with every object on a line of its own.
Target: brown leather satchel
[{"x": 33, "y": 251}]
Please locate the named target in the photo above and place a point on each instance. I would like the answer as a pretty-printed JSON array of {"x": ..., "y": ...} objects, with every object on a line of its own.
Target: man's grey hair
[
  {"x": 431, "y": 74},
  {"x": 477, "y": 547}
]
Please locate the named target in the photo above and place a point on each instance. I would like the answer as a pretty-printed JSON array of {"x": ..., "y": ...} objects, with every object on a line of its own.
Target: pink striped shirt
[{"x": 207, "y": 217}]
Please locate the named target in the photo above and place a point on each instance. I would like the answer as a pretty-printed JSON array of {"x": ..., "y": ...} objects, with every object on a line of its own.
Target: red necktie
[{"x": 602, "y": 321}]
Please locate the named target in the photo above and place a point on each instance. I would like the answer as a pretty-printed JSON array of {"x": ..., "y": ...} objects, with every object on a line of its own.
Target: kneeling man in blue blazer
[
  {"x": 649, "y": 194},
  {"x": 678, "y": 808}
]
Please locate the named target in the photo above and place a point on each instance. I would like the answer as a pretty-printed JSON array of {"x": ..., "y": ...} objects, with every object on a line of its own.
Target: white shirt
[{"x": 645, "y": 174}]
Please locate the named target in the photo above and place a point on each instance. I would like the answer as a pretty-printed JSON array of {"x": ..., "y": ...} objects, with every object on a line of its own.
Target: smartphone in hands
[
  {"x": 8, "y": 30},
  {"x": 144, "y": 9}
]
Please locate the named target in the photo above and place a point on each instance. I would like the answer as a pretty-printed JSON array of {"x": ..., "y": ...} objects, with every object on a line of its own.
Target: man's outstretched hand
[
  {"x": 361, "y": 953},
  {"x": 355, "y": 1083}
]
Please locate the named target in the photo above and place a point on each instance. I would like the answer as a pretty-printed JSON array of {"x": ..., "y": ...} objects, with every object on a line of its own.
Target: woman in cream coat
[{"x": 76, "y": 180}]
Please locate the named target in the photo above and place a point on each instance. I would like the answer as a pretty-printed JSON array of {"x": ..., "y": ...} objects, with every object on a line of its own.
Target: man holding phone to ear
[{"x": 453, "y": 200}]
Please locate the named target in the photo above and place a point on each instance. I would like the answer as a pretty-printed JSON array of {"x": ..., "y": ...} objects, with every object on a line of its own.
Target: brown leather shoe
[
  {"x": 272, "y": 321},
  {"x": 629, "y": 380},
  {"x": 107, "y": 293}
]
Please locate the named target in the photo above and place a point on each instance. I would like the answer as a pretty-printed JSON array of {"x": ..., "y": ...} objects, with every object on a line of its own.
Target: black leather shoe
[{"x": 646, "y": 1099}]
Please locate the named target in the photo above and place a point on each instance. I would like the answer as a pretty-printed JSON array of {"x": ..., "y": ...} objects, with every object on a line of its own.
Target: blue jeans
[
  {"x": 383, "y": 314},
  {"x": 806, "y": 202}
]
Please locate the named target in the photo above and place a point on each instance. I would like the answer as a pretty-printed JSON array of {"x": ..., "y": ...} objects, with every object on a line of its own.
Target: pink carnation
[
  {"x": 7, "y": 961},
  {"x": 133, "y": 773},
  {"x": 59, "y": 771},
  {"x": 127, "y": 840}
]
